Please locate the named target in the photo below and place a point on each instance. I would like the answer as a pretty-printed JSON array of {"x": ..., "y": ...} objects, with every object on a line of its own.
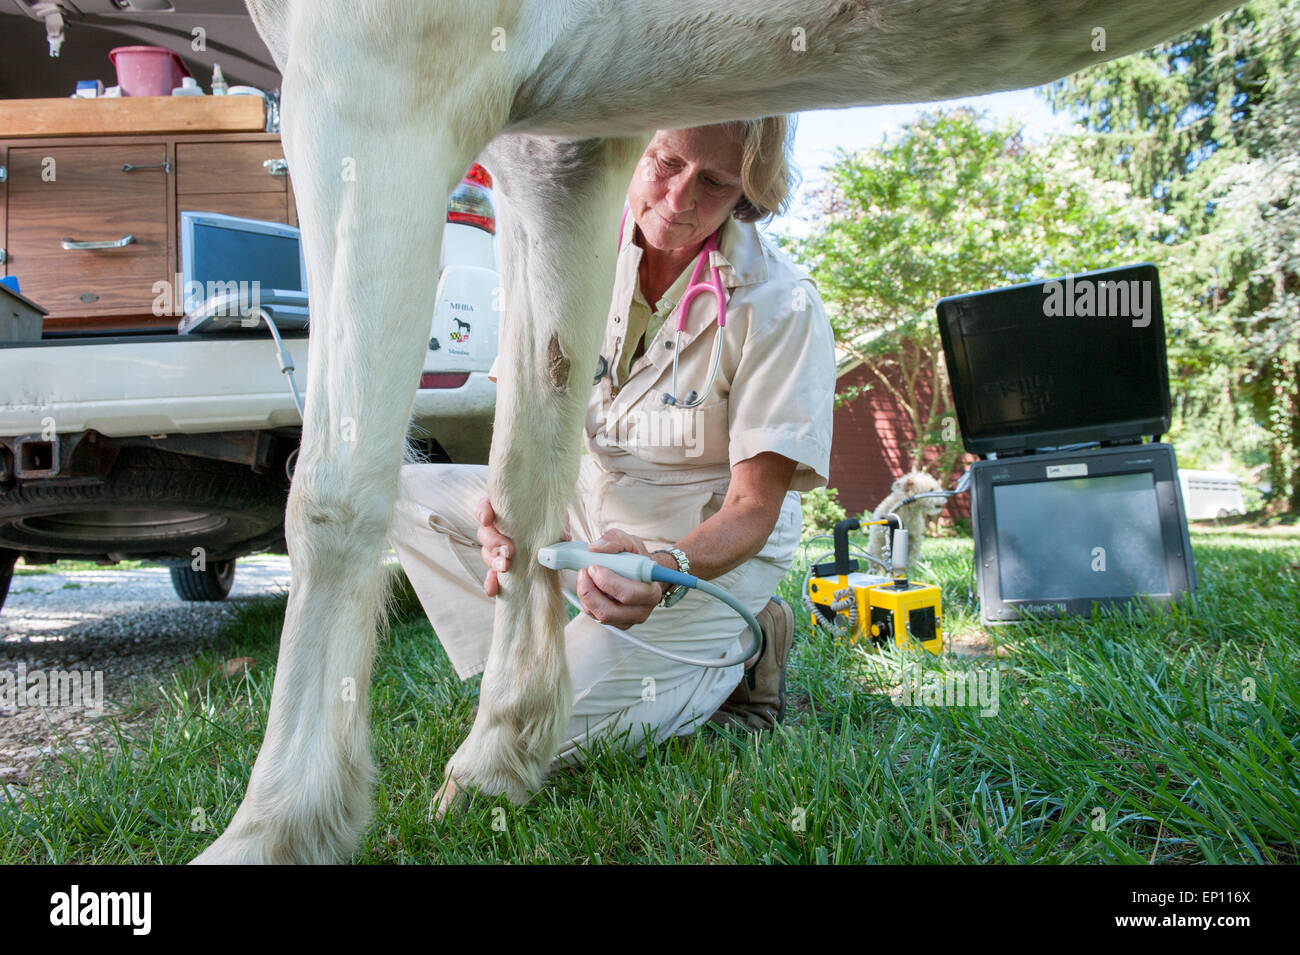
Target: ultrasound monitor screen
[
  {"x": 238, "y": 255},
  {"x": 1088, "y": 537}
]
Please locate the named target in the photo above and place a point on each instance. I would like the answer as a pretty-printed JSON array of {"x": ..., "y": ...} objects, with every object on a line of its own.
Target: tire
[
  {"x": 153, "y": 505},
  {"x": 7, "y": 560},
  {"x": 211, "y": 583}
]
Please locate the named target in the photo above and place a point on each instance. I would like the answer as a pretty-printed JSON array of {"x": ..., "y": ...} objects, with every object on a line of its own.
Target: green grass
[{"x": 1165, "y": 736}]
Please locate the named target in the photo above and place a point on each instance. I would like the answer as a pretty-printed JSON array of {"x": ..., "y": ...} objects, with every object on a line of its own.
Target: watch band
[{"x": 676, "y": 592}]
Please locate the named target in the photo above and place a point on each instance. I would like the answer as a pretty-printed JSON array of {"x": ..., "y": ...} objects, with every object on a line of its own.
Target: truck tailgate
[{"x": 149, "y": 384}]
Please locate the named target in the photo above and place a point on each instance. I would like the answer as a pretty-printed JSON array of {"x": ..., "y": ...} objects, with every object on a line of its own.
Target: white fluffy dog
[{"x": 913, "y": 515}]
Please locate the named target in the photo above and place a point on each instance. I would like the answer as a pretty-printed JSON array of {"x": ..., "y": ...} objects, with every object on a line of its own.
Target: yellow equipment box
[{"x": 876, "y": 607}]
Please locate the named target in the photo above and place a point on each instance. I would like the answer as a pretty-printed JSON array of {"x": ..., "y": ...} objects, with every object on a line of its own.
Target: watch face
[{"x": 675, "y": 594}]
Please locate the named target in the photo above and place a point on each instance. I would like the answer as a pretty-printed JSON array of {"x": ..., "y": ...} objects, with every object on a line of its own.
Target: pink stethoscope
[{"x": 694, "y": 287}]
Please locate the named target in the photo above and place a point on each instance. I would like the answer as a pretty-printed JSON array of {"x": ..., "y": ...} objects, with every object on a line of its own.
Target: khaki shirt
[
  {"x": 659, "y": 471},
  {"x": 641, "y": 316}
]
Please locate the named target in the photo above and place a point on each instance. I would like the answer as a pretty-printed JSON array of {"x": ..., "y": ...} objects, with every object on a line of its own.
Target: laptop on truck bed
[{"x": 237, "y": 271}]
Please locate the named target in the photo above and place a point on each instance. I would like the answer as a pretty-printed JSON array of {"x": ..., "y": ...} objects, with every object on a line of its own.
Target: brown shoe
[{"x": 758, "y": 703}]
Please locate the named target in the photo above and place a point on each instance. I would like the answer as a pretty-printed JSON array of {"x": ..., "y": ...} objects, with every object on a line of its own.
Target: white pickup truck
[{"x": 180, "y": 448}]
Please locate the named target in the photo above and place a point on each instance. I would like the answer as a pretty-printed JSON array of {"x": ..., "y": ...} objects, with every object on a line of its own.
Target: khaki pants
[{"x": 617, "y": 688}]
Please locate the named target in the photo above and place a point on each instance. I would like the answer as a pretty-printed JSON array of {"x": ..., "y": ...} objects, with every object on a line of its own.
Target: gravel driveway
[{"x": 127, "y": 624}]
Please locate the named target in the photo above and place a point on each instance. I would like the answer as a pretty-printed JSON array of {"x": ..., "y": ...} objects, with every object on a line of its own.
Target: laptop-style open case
[{"x": 1056, "y": 384}]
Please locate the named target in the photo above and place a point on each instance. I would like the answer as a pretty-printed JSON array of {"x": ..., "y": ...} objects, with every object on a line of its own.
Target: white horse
[{"x": 385, "y": 105}]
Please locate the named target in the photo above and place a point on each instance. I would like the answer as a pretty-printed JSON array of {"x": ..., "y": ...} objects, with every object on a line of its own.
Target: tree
[
  {"x": 1208, "y": 126},
  {"x": 952, "y": 205}
]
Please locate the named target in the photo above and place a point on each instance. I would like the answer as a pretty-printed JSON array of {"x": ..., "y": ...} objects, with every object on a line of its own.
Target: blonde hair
[{"x": 767, "y": 177}]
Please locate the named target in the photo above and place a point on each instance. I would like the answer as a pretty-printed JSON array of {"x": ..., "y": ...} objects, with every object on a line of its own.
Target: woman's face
[{"x": 685, "y": 186}]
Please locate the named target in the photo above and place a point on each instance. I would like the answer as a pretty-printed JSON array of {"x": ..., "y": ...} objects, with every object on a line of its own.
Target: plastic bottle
[
  {"x": 189, "y": 87},
  {"x": 219, "y": 87}
]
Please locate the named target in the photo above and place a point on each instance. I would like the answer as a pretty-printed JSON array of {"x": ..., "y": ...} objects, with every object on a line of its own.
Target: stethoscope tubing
[{"x": 696, "y": 286}]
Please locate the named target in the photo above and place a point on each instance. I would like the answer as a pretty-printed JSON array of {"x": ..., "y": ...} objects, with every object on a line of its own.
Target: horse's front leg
[
  {"x": 560, "y": 214},
  {"x": 372, "y": 179}
]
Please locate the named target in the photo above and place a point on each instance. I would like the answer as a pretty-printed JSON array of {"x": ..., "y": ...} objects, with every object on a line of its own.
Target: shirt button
[
  {"x": 668, "y": 345},
  {"x": 617, "y": 319}
]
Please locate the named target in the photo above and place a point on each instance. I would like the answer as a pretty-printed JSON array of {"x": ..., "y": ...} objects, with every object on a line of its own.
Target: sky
[{"x": 819, "y": 133}]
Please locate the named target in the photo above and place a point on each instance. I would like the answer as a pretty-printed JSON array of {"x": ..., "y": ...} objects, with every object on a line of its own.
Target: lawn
[{"x": 1158, "y": 736}]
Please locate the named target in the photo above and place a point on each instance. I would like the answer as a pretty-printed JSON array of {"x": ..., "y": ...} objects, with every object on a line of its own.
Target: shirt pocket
[{"x": 680, "y": 437}]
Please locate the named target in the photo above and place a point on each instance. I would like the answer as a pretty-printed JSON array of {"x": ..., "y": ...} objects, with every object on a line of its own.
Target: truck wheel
[
  {"x": 211, "y": 583},
  {"x": 7, "y": 560},
  {"x": 153, "y": 505}
]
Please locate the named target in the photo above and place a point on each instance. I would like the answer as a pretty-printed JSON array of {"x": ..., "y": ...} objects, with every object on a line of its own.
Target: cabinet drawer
[
  {"x": 227, "y": 167},
  {"x": 83, "y": 194}
]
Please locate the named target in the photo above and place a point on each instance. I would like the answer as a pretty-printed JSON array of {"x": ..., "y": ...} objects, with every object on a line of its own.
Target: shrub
[{"x": 821, "y": 509}]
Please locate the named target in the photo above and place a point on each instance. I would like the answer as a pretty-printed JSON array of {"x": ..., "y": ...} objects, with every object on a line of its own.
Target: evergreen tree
[{"x": 1208, "y": 126}]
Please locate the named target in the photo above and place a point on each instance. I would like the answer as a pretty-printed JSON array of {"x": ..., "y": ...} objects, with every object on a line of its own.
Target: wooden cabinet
[
  {"x": 235, "y": 179},
  {"x": 87, "y": 225},
  {"x": 90, "y": 224},
  {"x": 214, "y": 167}
]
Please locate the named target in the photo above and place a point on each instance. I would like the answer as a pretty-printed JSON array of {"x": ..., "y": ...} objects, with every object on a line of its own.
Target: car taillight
[
  {"x": 445, "y": 379},
  {"x": 479, "y": 176},
  {"x": 471, "y": 202}
]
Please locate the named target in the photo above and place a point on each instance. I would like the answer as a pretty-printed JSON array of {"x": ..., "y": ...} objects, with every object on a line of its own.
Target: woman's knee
[
  {"x": 447, "y": 489},
  {"x": 441, "y": 476}
]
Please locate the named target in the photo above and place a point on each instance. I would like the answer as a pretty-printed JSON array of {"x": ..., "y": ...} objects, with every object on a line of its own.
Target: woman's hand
[
  {"x": 606, "y": 596},
  {"x": 497, "y": 549},
  {"x": 611, "y": 598}
]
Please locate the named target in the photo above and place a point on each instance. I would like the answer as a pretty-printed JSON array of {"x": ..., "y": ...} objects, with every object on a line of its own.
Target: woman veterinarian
[{"x": 714, "y": 485}]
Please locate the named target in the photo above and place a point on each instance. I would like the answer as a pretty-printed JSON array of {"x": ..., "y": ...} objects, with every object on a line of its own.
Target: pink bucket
[{"x": 147, "y": 70}]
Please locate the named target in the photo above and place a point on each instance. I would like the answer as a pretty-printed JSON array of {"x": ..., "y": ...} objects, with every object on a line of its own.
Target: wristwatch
[{"x": 675, "y": 592}]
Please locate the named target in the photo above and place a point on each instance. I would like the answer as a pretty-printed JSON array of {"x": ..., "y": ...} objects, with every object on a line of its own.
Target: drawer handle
[
  {"x": 72, "y": 245},
  {"x": 277, "y": 167},
  {"x": 165, "y": 166}
]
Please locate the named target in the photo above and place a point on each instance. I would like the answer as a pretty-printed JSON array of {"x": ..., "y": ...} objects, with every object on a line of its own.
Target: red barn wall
[{"x": 871, "y": 447}]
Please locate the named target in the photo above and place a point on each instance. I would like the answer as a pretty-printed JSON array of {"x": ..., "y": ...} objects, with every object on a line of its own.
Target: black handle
[{"x": 843, "y": 565}]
